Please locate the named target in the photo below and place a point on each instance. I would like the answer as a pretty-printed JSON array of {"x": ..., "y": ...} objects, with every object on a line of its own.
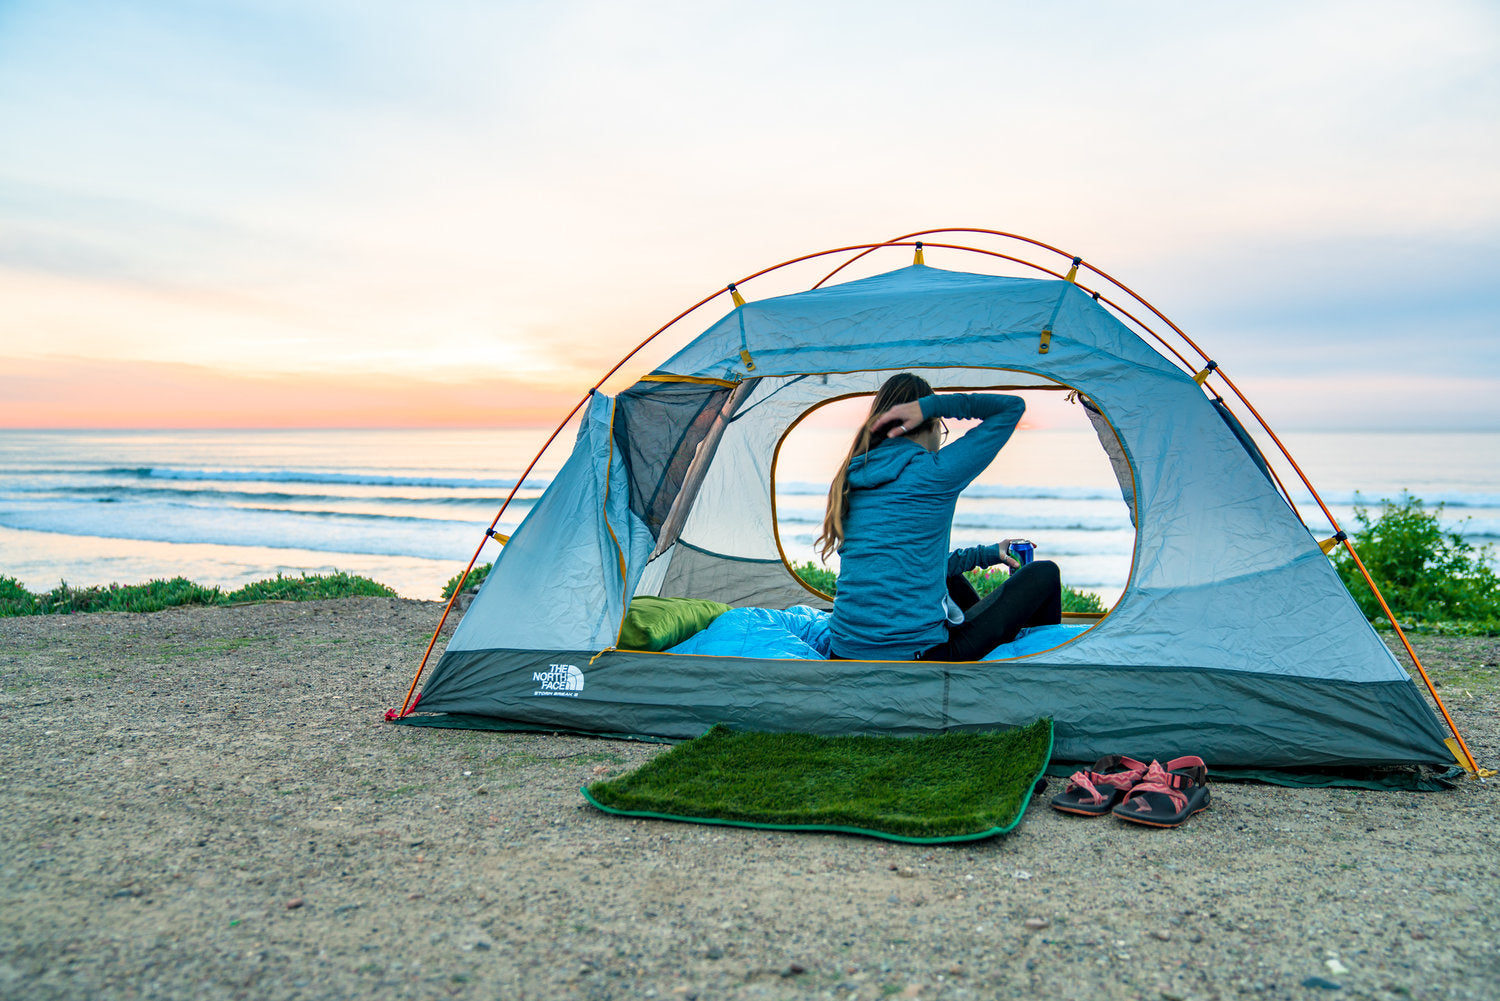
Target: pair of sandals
[{"x": 1155, "y": 795}]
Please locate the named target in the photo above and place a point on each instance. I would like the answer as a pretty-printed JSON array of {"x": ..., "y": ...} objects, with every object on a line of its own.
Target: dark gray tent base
[
  {"x": 1406, "y": 778},
  {"x": 1243, "y": 724}
]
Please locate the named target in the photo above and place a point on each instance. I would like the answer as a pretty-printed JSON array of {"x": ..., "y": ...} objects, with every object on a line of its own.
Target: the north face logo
[{"x": 558, "y": 679}]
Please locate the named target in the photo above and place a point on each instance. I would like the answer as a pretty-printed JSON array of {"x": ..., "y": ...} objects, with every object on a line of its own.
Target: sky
[{"x": 347, "y": 213}]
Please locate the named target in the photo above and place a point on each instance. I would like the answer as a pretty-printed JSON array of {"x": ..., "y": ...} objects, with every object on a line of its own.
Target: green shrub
[
  {"x": 156, "y": 595},
  {"x": 152, "y": 596},
  {"x": 15, "y": 599},
  {"x": 1431, "y": 578},
  {"x": 988, "y": 579},
  {"x": 475, "y": 578},
  {"x": 819, "y": 578},
  {"x": 1081, "y": 601},
  {"x": 310, "y": 587},
  {"x": 984, "y": 582}
]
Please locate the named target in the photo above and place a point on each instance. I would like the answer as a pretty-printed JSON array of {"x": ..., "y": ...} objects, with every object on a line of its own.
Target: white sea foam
[{"x": 219, "y": 506}]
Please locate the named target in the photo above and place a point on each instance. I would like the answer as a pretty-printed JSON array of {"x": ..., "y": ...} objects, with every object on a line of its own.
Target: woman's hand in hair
[{"x": 897, "y": 421}]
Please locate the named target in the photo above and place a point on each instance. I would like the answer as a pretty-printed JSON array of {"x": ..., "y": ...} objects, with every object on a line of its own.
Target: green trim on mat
[
  {"x": 720, "y": 745},
  {"x": 829, "y": 828}
]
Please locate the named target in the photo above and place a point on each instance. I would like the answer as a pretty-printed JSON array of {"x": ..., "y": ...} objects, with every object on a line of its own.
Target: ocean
[{"x": 409, "y": 507}]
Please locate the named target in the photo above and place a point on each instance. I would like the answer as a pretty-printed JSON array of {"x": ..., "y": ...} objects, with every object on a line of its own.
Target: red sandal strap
[
  {"x": 1089, "y": 780},
  {"x": 1169, "y": 784}
]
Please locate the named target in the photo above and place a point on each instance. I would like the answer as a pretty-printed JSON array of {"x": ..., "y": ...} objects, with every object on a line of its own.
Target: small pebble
[
  {"x": 1327, "y": 985},
  {"x": 1037, "y": 922},
  {"x": 1162, "y": 934},
  {"x": 294, "y": 903},
  {"x": 906, "y": 873},
  {"x": 1419, "y": 935}
]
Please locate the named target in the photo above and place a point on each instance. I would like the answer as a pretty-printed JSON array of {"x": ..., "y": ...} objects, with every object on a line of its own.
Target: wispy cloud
[{"x": 523, "y": 190}]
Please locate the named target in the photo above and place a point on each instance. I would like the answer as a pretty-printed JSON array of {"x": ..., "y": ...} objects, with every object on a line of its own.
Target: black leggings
[{"x": 1031, "y": 597}]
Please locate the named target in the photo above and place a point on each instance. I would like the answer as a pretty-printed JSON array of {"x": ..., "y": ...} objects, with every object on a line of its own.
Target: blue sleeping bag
[
  {"x": 798, "y": 633},
  {"x": 801, "y": 633}
]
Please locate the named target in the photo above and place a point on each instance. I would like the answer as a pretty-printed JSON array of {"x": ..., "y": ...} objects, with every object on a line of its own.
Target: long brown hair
[{"x": 902, "y": 388}]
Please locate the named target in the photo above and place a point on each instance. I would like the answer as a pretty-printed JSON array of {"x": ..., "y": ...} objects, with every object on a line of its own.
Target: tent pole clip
[
  {"x": 1201, "y": 376},
  {"x": 499, "y": 537},
  {"x": 919, "y": 261},
  {"x": 734, "y": 293},
  {"x": 1073, "y": 271},
  {"x": 1046, "y": 343},
  {"x": 1328, "y": 545}
]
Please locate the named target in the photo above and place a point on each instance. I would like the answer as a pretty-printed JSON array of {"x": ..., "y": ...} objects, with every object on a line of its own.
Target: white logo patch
[{"x": 559, "y": 679}]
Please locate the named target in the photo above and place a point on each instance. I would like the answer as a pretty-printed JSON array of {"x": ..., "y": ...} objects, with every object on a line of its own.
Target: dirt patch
[{"x": 207, "y": 804}]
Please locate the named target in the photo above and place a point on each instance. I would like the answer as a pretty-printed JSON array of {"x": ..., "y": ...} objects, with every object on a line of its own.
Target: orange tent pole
[
  {"x": 1471, "y": 765},
  {"x": 868, "y": 248},
  {"x": 406, "y": 705}
]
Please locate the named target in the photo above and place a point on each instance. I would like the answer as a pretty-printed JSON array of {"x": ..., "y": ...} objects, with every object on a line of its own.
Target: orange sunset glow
[
  {"x": 53, "y": 393},
  {"x": 348, "y": 216}
]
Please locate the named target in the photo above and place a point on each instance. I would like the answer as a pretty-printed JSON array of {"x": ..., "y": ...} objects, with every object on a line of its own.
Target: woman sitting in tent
[{"x": 890, "y": 509}]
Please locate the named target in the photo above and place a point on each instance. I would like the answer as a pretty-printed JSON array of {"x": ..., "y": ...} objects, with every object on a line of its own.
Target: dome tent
[{"x": 1234, "y": 638}]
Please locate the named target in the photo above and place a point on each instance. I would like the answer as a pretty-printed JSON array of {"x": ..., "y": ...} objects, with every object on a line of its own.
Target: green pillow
[{"x": 661, "y": 623}]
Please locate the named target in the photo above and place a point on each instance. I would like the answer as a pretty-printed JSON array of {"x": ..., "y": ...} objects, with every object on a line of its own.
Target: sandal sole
[
  {"x": 1137, "y": 819},
  {"x": 1078, "y": 811}
]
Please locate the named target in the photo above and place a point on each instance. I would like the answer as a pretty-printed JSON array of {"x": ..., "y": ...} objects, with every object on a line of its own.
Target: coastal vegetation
[
  {"x": 156, "y": 595},
  {"x": 1432, "y": 579},
  {"x": 475, "y": 578}
]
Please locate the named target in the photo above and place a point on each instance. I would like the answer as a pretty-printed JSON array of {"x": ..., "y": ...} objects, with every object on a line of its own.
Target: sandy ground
[{"x": 206, "y": 804}]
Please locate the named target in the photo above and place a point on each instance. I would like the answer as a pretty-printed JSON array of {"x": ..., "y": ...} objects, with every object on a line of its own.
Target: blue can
[{"x": 1022, "y": 551}]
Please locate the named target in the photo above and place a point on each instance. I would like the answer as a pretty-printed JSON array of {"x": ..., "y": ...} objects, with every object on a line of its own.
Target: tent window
[
  {"x": 1059, "y": 482},
  {"x": 658, "y": 428}
]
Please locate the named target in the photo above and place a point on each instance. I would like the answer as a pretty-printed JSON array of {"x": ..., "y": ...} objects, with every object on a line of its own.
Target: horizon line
[{"x": 55, "y": 428}]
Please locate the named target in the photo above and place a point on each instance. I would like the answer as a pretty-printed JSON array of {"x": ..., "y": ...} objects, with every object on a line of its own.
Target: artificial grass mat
[{"x": 949, "y": 787}]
